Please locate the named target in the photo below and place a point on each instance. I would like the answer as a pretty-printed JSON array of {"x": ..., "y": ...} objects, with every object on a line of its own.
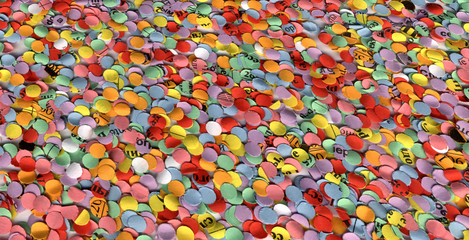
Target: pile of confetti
[{"x": 281, "y": 119}]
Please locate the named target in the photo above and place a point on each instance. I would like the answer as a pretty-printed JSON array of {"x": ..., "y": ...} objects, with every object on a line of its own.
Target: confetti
[{"x": 234, "y": 119}]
